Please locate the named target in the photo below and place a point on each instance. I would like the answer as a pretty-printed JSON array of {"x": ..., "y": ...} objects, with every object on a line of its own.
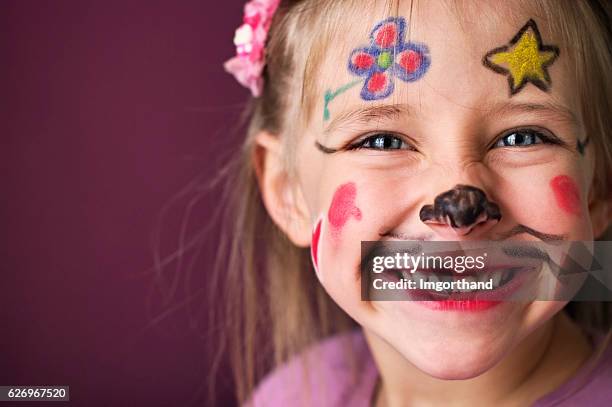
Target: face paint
[
  {"x": 581, "y": 145},
  {"x": 343, "y": 207},
  {"x": 314, "y": 247},
  {"x": 525, "y": 59},
  {"x": 387, "y": 56},
  {"x": 520, "y": 229},
  {"x": 566, "y": 193},
  {"x": 462, "y": 208}
]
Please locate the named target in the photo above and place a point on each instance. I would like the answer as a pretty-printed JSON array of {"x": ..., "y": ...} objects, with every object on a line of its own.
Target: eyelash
[
  {"x": 360, "y": 144},
  {"x": 536, "y": 137},
  {"x": 532, "y": 134}
]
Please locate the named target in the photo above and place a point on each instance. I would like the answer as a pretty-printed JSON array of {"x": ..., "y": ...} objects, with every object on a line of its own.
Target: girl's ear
[
  {"x": 600, "y": 211},
  {"x": 283, "y": 199}
]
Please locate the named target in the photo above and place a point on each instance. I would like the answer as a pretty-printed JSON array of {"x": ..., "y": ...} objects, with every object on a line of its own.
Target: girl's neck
[{"x": 538, "y": 365}]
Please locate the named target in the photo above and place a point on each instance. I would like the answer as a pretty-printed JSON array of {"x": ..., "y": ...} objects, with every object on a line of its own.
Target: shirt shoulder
[
  {"x": 337, "y": 371},
  {"x": 592, "y": 385}
]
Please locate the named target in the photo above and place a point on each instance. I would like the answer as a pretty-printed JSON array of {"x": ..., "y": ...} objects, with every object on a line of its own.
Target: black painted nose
[{"x": 463, "y": 208}]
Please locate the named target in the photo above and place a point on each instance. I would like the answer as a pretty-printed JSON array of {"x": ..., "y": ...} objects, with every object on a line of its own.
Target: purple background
[{"x": 108, "y": 109}]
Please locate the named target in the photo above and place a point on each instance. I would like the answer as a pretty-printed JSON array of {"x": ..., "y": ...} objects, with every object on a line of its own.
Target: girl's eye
[
  {"x": 381, "y": 141},
  {"x": 521, "y": 138}
]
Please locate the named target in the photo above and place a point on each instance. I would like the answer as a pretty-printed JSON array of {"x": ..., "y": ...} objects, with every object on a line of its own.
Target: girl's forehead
[{"x": 480, "y": 54}]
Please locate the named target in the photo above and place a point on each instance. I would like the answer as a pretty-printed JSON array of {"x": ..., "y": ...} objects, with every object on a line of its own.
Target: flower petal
[
  {"x": 379, "y": 85},
  {"x": 412, "y": 62},
  {"x": 247, "y": 73},
  {"x": 362, "y": 61},
  {"x": 389, "y": 33}
]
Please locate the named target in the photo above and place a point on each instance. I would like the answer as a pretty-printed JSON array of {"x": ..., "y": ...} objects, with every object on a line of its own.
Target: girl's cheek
[
  {"x": 342, "y": 209},
  {"x": 329, "y": 228},
  {"x": 567, "y": 194},
  {"x": 552, "y": 205}
]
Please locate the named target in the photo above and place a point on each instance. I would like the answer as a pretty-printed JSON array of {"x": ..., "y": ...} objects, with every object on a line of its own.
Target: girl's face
[{"x": 510, "y": 127}]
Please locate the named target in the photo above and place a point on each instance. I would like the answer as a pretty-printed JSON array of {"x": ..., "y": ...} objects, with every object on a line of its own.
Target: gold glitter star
[{"x": 524, "y": 60}]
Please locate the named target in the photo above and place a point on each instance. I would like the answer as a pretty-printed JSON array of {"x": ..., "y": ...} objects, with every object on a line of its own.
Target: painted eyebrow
[
  {"x": 551, "y": 110},
  {"x": 366, "y": 115}
]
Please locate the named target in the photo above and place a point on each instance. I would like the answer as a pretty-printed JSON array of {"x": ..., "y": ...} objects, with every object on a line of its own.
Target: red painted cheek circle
[
  {"x": 566, "y": 193},
  {"x": 343, "y": 206},
  {"x": 410, "y": 61},
  {"x": 314, "y": 247},
  {"x": 386, "y": 36},
  {"x": 377, "y": 82}
]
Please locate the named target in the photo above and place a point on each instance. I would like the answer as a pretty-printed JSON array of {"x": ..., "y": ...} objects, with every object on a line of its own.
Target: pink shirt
[{"x": 331, "y": 383}]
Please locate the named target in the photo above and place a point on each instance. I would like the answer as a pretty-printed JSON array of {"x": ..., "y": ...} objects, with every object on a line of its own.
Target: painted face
[{"x": 415, "y": 138}]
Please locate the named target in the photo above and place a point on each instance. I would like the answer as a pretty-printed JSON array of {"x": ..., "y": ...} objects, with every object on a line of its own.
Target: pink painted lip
[
  {"x": 474, "y": 301},
  {"x": 459, "y": 305}
]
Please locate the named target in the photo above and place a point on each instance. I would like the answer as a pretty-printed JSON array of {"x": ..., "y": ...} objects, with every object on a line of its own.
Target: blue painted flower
[{"x": 388, "y": 56}]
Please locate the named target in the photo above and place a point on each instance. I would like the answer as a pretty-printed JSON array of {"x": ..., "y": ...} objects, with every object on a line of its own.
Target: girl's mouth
[
  {"x": 498, "y": 278},
  {"x": 447, "y": 290}
]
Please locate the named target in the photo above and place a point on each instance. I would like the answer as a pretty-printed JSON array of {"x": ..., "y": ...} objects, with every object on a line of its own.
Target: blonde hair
[{"x": 273, "y": 305}]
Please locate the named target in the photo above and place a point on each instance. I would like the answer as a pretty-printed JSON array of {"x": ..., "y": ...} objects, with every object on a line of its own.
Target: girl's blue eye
[
  {"x": 521, "y": 138},
  {"x": 381, "y": 141}
]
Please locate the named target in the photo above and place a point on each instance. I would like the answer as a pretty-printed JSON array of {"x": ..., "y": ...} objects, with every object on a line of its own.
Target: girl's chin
[
  {"x": 453, "y": 350},
  {"x": 453, "y": 361}
]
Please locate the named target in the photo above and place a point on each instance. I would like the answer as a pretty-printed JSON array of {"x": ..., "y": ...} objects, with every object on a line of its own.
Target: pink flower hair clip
[{"x": 250, "y": 39}]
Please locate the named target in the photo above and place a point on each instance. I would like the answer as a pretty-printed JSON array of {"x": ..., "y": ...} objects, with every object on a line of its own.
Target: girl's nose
[{"x": 461, "y": 210}]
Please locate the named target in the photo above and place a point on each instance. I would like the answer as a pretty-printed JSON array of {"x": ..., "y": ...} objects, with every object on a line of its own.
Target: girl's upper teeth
[{"x": 499, "y": 277}]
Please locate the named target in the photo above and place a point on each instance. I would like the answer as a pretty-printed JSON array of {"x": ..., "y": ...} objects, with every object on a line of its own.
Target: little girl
[{"x": 403, "y": 120}]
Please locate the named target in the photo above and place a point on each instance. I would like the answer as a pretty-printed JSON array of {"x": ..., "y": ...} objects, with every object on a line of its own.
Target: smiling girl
[{"x": 420, "y": 121}]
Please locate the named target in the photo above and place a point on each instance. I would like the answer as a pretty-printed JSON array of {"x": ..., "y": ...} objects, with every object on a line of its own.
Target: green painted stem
[{"x": 329, "y": 96}]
